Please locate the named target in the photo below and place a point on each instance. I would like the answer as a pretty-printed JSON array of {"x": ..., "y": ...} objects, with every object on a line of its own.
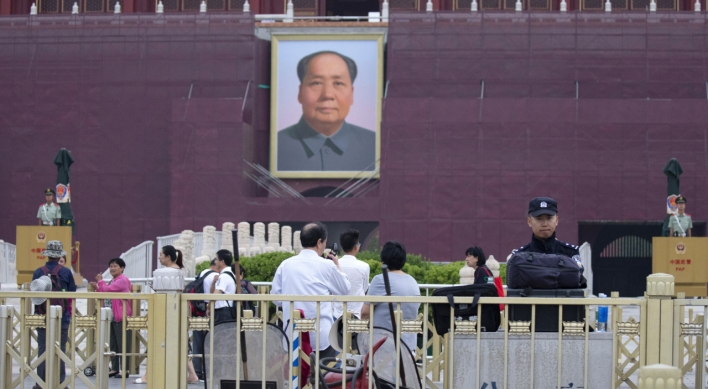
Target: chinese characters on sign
[
  {"x": 37, "y": 253},
  {"x": 680, "y": 262}
]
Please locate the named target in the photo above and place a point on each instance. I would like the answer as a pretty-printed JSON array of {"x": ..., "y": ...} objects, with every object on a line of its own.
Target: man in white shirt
[
  {"x": 209, "y": 279},
  {"x": 199, "y": 336},
  {"x": 224, "y": 283},
  {"x": 357, "y": 272},
  {"x": 309, "y": 274}
]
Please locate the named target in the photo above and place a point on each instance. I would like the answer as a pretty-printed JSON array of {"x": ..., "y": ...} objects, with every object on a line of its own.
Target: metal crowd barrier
[
  {"x": 659, "y": 328},
  {"x": 138, "y": 261},
  {"x": 8, "y": 270},
  {"x": 87, "y": 351}
]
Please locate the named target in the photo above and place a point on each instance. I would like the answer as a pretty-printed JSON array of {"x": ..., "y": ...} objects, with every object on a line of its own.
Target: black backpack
[
  {"x": 245, "y": 305},
  {"x": 543, "y": 271},
  {"x": 491, "y": 319},
  {"x": 197, "y": 307},
  {"x": 56, "y": 287}
]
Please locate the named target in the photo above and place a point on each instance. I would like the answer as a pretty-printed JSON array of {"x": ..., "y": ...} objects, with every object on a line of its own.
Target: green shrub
[
  {"x": 202, "y": 266},
  {"x": 262, "y": 267}
]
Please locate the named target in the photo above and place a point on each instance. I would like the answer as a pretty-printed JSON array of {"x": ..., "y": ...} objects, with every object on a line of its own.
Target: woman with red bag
[{"x": 475, "y": 258}]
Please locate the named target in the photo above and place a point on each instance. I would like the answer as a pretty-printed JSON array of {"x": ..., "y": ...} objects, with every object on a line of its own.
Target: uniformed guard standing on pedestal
[
  {"x": 49, "y": 213},
  {"x": 680, "y": 223}
]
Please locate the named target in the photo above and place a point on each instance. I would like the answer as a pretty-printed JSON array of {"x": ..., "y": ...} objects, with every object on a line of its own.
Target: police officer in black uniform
[{"x": 543, "y": 220}]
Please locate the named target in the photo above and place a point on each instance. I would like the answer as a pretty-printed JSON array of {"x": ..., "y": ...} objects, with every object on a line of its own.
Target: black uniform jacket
[
  {"x": 552, "y": 246},
  {"x": 549, "y": 246}
]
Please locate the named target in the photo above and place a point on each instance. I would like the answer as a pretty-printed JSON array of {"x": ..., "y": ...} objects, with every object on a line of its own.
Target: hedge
[{"x": 262, "y": 267}]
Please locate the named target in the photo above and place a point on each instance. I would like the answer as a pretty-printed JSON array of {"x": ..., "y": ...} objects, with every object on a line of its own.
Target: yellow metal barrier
[
  {"x": 87, "y": 351},
  {"x": 431, "y": 369},
  {"x": 659, "y": 329}
]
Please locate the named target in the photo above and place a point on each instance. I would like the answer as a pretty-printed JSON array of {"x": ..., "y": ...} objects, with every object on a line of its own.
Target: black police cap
[
  {"x": 680, "y": 200},
  {"x": 49, "y": 191},
  {"x": 543, "y": 206}
]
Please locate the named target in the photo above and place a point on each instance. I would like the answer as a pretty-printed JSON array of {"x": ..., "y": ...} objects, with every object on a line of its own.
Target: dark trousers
[
  {"x": 198, "y": 348},
  {"x": 42, "y": 345},
  {"x": 117, "y": 343}
]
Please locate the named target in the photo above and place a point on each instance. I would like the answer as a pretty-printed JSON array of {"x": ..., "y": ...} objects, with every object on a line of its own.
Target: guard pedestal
[
  {"x": 684, "y": 258},
  {"x": 31, "y": 241}
]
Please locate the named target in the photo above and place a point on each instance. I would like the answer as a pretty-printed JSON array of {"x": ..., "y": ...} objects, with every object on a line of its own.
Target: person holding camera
[{"x": 309, "y": 274}]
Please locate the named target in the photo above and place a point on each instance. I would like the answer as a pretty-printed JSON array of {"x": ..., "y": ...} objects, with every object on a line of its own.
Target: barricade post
[
  {"x": 6, "y": 314},
  {"x": 657, "y": 345},
  {"x": 104, "y": 341},
  {"x": 91, "y": 333},
  {"x": 134, "y": 340},
  {"x": 164, "y": 324},
  {"x": 25, "y": 338},
  {"x": 53, "y": 337},
  {"x": 660, "y": 376}
]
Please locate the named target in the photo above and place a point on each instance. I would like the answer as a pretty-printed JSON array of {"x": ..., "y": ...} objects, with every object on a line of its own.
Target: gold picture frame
[{"x": 366, "y": 51}]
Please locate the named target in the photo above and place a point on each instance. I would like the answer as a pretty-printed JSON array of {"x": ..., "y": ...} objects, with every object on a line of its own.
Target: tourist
[
  {"x": 393, "y": 255},
  {"x": 309, "y": 274},
  {"x": 118, "y": 284},
  {"x": 54, "y": 251},
  {"x": 475, "y": 258},
  {"x": 357, "y": 272}
]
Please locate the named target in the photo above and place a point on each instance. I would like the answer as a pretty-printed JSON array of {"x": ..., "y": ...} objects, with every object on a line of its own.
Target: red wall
[
  {"x": 460, "y": 172},
  {"x": 456, "y": 170},
  {"x": 105, "y": 91},
  {"x": 467, "y": 166}
]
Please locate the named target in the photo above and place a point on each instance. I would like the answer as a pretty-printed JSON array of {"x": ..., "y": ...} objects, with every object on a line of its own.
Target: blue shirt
[{"x": 67, "y": 283}]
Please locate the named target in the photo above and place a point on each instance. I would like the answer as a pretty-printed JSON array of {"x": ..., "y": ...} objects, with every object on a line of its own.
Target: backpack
[
  {"x": 543, "y": 271},
  {"x": 197, "y": 307},
  {"x": 491, "y": 319},
  {"x": 245, "y": 305},
  {"x": 56, "y": 287}
]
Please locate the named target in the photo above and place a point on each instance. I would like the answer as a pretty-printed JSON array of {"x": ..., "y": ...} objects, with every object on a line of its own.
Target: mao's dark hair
[{"x": 305, "y": 62}]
